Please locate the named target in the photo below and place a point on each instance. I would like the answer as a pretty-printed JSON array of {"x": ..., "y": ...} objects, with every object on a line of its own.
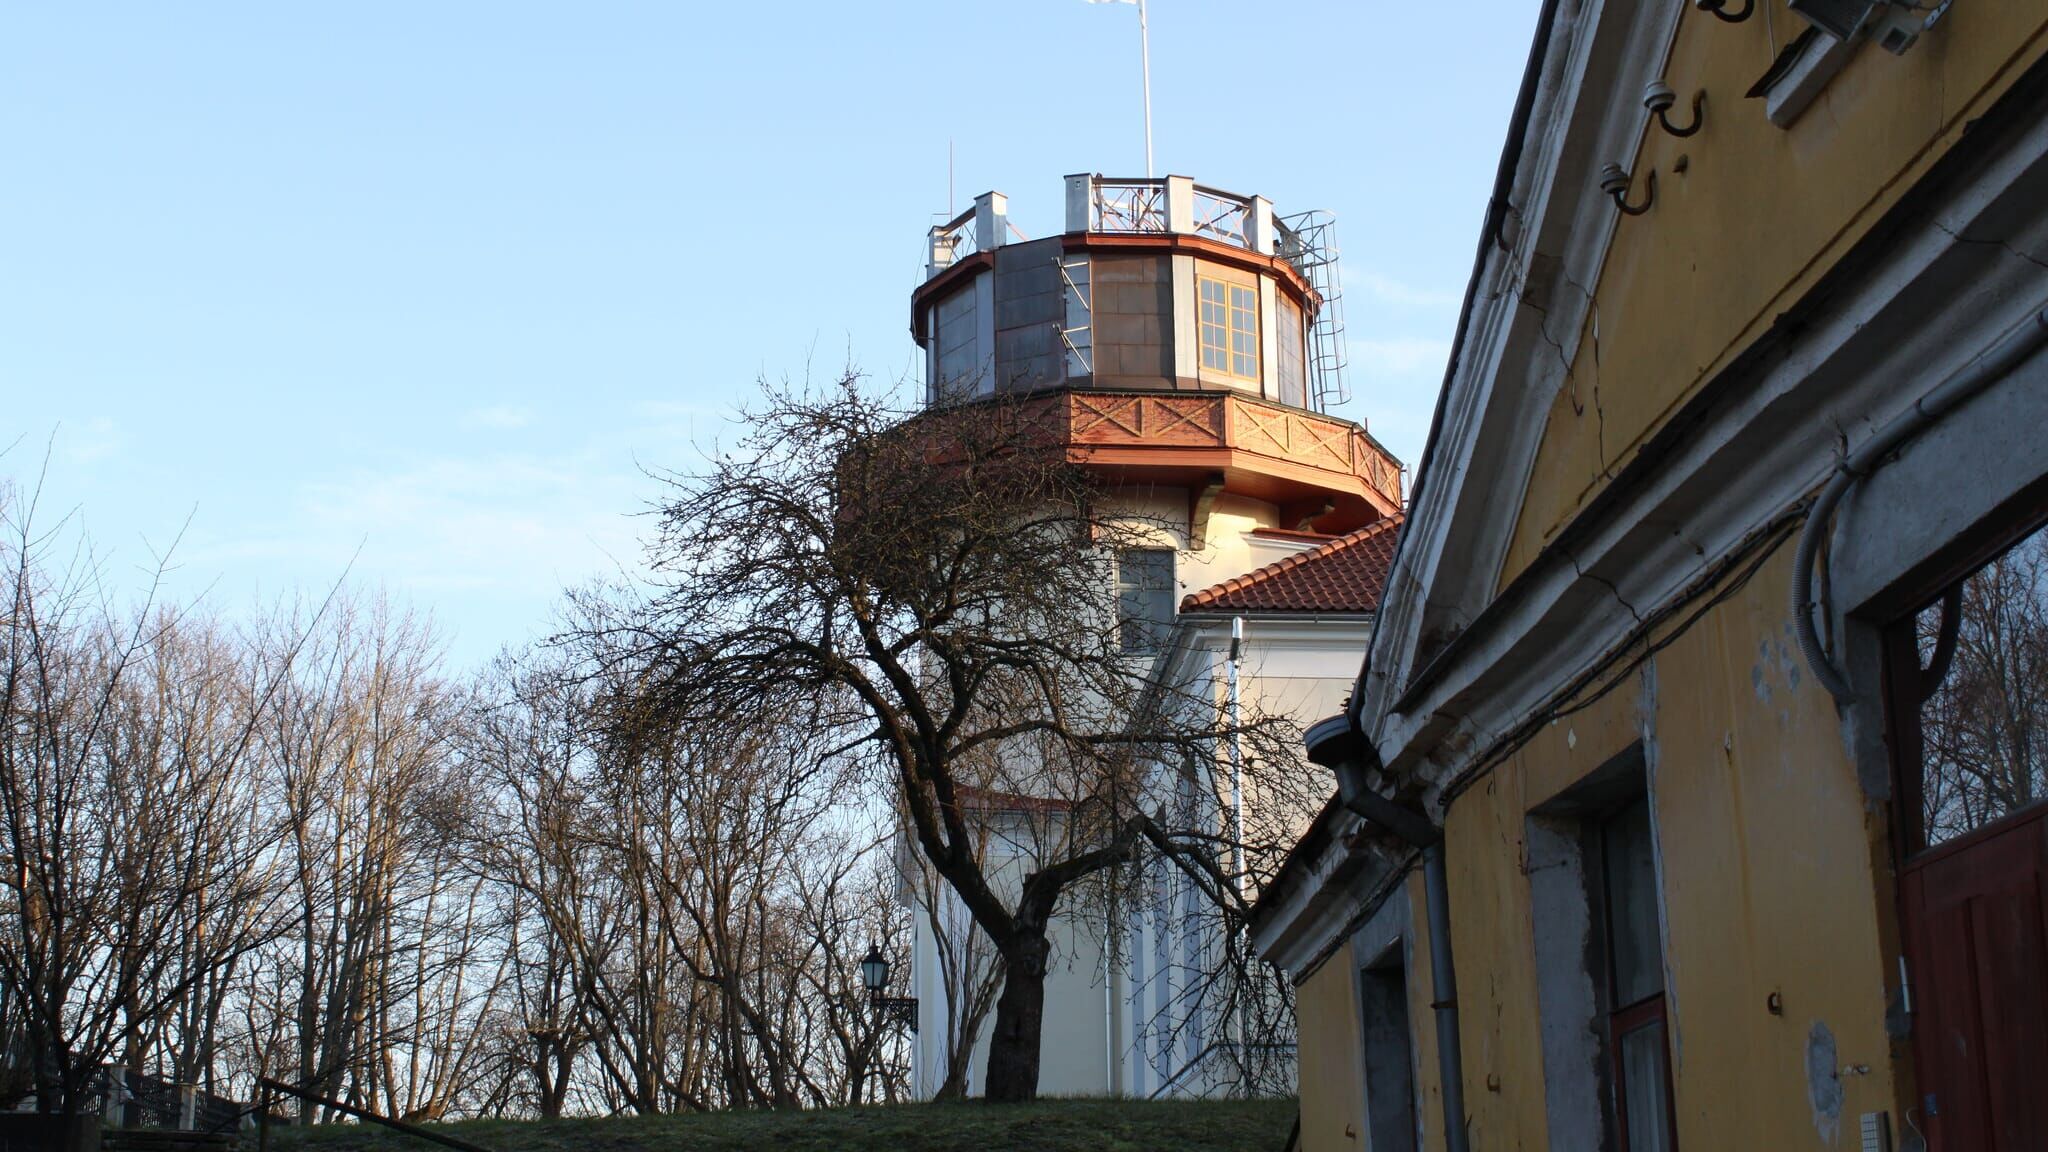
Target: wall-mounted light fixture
[
  {"x": 1719, "y": 10},
  {"x": 1659, "y": 98},
  {"x": 1615, "y": 181},
  {"x": 1894, "y": 24}
]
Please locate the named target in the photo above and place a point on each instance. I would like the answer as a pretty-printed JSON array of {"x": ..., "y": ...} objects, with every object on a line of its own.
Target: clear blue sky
[{"x": 434, "y": 281}]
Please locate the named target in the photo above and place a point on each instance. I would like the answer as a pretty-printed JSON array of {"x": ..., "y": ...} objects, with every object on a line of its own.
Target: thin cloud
[
  {"x": 90, "y": 442},
  {"x": 498, "y": 416},
  {"x": 1401, "y": 358},
  {"x": 513, "y": 525},
  {"x": 1383, "y": 289}
]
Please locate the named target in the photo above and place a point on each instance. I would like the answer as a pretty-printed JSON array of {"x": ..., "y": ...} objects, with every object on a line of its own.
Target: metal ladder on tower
[{"x": 1308, "y": 241}]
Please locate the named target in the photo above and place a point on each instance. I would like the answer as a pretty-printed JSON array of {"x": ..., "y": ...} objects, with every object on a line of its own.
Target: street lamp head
[{"x": 874, "y": 970}]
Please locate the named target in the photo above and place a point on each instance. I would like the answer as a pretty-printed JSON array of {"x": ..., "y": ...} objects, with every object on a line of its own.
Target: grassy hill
[{"x": 1047, "y": 1126}]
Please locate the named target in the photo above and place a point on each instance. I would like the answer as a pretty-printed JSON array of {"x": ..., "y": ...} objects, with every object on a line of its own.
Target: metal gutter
[{"x": 1335, "y": 744}]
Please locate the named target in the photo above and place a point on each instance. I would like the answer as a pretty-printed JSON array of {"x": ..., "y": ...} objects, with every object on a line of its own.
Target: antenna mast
[{"x": 1145, "y": 59}]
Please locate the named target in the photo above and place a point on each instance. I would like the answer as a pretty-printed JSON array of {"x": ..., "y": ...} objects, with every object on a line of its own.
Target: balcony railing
[
  {"x": 978, "y": 229},
  {"x": 1120, "y": 206},
  {"x": 951, "y": 242},
  {"x": 1127, "y": 206},
  {"x": 1222, "y": 216}
]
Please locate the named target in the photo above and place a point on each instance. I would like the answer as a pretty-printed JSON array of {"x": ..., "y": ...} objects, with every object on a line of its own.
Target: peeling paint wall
[
  {"x": 1332, "y": 1060},
  {"x": 1769, "y": 876},
  {"x": 1767, "y": 883}
]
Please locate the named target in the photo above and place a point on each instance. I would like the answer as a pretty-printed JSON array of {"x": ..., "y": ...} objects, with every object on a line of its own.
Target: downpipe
[
  {"x": 1443, "y": 982},
  {"x": 1337, "y": 745},
  {"x": 1973, "y": 378}
]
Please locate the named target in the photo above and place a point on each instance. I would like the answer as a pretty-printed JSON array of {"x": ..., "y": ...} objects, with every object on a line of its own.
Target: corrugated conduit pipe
[{"x": 1978, "y": 375}]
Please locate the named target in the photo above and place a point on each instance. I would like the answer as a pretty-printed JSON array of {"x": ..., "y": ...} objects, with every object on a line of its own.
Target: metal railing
[
  {"x": 1223, "y": 216},
  {"x": 951, "y": 242},
  {"x": 1128, "y": 206}
]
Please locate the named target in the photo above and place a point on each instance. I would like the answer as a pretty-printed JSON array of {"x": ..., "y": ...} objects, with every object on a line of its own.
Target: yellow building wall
[
  {"x": 1756, "y": 217},
  {"x": 1772, "y": 861},
  {"x": 1332, "y": 1077},
  {"x": 1768, "y": 849},
  {"x": 1767, "y": 852},
  {"x": 1491, "y": 945}
]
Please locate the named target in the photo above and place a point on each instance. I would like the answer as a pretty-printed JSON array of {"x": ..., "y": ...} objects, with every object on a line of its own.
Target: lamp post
[
  {"x": 874, "y": 972},
  {"x": 898, "y": 1010}
]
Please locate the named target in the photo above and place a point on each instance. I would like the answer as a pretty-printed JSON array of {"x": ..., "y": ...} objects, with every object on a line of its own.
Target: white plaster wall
[
  {"x": 1299, "y": 668},
  {"x": 1074, "y": 1051},
  {"x": 1266, "y": 550},
  {"x": 1075, "y": 1044},
  {"x": 1227, "y": 551}
]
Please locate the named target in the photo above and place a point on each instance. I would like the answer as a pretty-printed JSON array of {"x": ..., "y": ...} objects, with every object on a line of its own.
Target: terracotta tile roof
[{"x": 1345, "y": 574}]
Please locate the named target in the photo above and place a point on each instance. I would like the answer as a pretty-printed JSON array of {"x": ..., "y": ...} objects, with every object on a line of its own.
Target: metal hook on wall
[
  {"x": 1615, "y": 181},
  {"x": 1719, "y": 10},
  {"x": 1659, "y": 98}
]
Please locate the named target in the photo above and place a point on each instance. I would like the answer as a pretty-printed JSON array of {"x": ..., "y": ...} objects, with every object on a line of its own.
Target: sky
[{"x": 419, "y": 293}]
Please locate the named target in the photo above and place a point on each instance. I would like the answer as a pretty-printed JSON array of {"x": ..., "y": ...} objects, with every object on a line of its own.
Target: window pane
[
  {"x": 1631, "y": 874},
  {"x": 959, "y": 358},
  {"x": 1290, "y": 370},
  {"x": 1144, "y": 595},
  {"x": 1643, "y": 1082},
  {"x": 1984, "y": 729}
]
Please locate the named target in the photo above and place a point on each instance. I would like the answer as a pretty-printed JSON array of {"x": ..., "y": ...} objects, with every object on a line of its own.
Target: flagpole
[{"x": 1145, "y": 56}]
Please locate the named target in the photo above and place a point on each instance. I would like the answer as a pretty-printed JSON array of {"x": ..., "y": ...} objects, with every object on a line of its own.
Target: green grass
[{"x": 1069, "y": 1125}]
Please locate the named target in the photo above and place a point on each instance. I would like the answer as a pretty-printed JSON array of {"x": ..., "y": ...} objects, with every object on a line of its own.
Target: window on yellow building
[
  {"x": 1389, "y": 1053},
  {"x": 1637, "y": 1046},
  {"x": 1230, "y": 328}
]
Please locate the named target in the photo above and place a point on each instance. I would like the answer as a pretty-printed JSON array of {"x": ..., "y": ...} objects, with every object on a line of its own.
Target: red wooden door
[{"x": 1976, "y": 911}]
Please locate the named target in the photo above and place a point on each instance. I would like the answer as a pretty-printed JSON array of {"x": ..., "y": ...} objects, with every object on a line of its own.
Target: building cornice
[{"x": 1939, "y": 278}]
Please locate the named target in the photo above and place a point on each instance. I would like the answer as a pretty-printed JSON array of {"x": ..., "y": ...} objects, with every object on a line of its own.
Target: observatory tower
[{"x": 1186, "y": 342}]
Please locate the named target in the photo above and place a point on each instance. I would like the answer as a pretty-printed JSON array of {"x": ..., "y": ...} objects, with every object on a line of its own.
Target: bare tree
[
  {"x": 936, "y": 593},
  {"x": 969, "y": 977},
  {"x": 1985, "y": 726},
  {"x": 526, "y": 743},
  {"x": 384, "y": 941},
  {"x": 682, "y": 904},
  {"x": 133, "y": 854}
]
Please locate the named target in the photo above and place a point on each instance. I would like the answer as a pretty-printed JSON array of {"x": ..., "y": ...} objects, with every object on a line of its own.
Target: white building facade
[{"x": 1151, "y": 1015}]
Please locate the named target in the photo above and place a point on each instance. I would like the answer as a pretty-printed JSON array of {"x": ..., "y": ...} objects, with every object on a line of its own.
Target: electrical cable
[
  {"x": 2013, "y": 348},
  {"x": 1709, "y": 592}
]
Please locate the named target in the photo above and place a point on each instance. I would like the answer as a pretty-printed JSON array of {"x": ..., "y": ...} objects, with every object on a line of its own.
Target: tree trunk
[{"x": 1020, "y": 1015}]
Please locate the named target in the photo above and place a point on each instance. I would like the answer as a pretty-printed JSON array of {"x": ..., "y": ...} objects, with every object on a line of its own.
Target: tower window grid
[{"x": 1230, "y": 328}]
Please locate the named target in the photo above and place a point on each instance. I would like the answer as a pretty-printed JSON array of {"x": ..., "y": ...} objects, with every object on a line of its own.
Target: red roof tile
[{"x": 1346, "y": 574}]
